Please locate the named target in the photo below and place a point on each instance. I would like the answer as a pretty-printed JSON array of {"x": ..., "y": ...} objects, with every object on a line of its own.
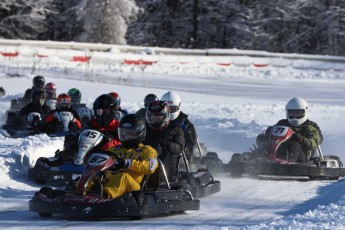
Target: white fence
[{"x": 135, "y": 55}]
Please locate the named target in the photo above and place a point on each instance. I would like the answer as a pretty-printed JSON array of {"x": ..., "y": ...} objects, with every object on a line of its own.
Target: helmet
[
  {"x": 117, "y": 98},
  {"x": 50, "y": 90},
  {"x": 297, "y": 111},
  {"x": 157, "y": 114},
  {"x": 132, "y": 130},
  {"x": 104, "y": 109},
  {"x": 38, "y": 82},
  {"x": 38, "y": 97},
  {"x": 75, "y": 95},
  {"x": 64, "y": 101},
  {"x": 148, "y": 98},
  {"x": 174, "y": 101}
]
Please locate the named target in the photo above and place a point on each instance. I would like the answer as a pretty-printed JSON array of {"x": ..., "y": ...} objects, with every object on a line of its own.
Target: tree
[{"x": 106, "y": 21}]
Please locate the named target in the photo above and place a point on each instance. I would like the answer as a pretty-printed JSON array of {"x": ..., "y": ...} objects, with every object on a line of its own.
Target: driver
[
  {"x": 133, "y": 160},
  {"x": 53, "y": 124},
  {"x": 104, "y": 122},
  {"x": 307, "y": 134}
]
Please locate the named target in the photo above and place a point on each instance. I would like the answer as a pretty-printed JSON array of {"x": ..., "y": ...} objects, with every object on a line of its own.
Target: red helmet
[
  {"x": 64, "y": 101},
  {"x": 50, "y": 90},
  {"x": 50, "y": 86},
  {"x": 117, "y": 98}
]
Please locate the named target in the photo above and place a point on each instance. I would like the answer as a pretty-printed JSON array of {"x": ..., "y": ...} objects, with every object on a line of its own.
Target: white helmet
[
  {"x": 297, "y": 111},
  {"x": 174, "y": 101}
]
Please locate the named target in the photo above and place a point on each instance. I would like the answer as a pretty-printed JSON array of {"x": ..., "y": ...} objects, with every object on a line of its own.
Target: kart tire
[
  {"x": 212, "y": 154},
  {"x": 41, "y": 181},
  {"x": 46, "y": 190},
  {"x": 135, "y": 217},
  {"x": 45, "y": 215},
  {"x": 235, "y": 167}
]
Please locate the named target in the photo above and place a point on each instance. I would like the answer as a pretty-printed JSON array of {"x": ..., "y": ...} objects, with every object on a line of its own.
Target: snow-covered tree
[
  {"x": 295, "y": 26},
  {"x": 105, "y": 21}
]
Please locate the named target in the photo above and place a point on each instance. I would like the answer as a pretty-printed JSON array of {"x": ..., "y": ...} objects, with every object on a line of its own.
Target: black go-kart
[
  {"x": 18, "y": 125},
  {"x": 202, "y": 158},
  {"x": 155, "y": 197},
  {"x": 55, "y": 171},
  {"x": 196, "y": 177},
  {"x": 52, "y": 171}
]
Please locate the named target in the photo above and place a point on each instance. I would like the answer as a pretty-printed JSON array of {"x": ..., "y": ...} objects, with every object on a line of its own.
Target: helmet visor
[
  {"x": 40, "y": 96},
  {"x": 296, "y": 113},
  {"x": 63, "y": 105},
  {"x": 51, "y": 95},
  {"x": 103, "y": 112},
  {"x": 128, "y": 134},
  {"x": 174, "y": 109},
  {"x": 154, "y": 118},
  {"x": 39, "y": 99}
]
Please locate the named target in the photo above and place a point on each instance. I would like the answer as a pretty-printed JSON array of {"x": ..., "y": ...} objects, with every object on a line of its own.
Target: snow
[{"x": 229, "y": 106}]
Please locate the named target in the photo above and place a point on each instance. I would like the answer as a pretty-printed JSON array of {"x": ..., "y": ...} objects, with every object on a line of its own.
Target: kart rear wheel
[
  {"x": 235, "y": 166},
  {"x": 212, "y": 154},
  {"x": 45, "y": 215},
  {"x": 135, "y": 217},
  {"x": 40, "y": 181}
]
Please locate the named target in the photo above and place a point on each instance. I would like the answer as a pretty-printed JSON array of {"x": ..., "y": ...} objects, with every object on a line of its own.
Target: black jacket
[
  {"x": 169, "y": 144},
  {"x": 188, "y": 129},
  {"x": 171, "y": 139},
  {"x": 44, "y": 110},
  {"x": 31, "y": 107}
]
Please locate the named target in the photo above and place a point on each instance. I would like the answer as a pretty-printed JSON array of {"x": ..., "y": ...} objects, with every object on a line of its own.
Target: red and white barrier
[{"x": 85, "y": 53}]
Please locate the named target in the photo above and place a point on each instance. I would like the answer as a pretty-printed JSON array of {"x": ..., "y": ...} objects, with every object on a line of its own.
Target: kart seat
[{"x": 149, "y": 184}]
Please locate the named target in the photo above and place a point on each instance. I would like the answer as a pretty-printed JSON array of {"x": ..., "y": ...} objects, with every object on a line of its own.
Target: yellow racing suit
[{"x": 140, "y": 161}]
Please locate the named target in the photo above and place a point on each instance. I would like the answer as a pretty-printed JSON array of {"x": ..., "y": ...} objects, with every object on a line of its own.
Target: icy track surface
[{"x": 228, "y": 111}]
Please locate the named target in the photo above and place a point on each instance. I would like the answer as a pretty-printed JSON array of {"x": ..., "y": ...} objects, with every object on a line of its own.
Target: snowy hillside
[{"x": 229, "y": 105}]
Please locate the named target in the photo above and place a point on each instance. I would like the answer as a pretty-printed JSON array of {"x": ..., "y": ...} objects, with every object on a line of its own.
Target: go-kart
[
  {"x": 153, "y": 199},
  {"x": 196, "y": 178},
  {"x": 202, "y": 158},
  {"x": 264, "y": 163},
  {"x": 17, "y": 125},
  {"x": 54, "y": 170},
  {"x": 51, "y": 170}
]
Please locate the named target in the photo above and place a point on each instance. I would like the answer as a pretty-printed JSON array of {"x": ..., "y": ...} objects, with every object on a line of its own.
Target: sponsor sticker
[{"x": 153, "y": 162}]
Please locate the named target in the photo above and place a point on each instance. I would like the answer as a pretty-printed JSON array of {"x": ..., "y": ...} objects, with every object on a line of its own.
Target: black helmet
[
  {"x": 75, "y": 94},
  {"x": 38, "y": 97},
  {"x": 148, "y": 98},
  {"x": 38, "y": 82},
  {"x": 132, "y": 130},
  {"x": 157, "y": 115},
  {"x": 104, "y": 109}
]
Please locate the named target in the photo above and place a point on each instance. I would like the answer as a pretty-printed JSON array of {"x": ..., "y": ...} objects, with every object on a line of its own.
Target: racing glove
[
  {"x": 33, "y": 117},
  {"x": 122, "y": 163},
  {"x": 301, "y": 139}
]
